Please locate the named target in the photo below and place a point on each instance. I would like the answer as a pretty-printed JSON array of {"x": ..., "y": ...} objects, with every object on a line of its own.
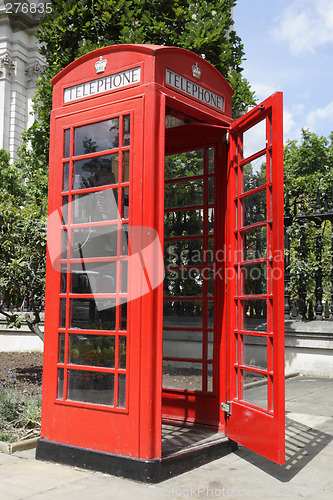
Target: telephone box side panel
[{"x": 64, "y": 420}]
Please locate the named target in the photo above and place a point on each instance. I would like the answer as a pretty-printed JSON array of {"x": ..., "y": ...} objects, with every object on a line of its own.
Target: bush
[{"x": 20, "y": 411}]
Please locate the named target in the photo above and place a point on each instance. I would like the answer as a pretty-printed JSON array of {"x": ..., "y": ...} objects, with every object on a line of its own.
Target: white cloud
[
  {"x": 313, "y": 118},
  {"x": 305, "y": 25},
  {"x": 298, "y": 109},
  {"x": 288, "y": 122},
  {"x": 291, "y": 126},
  {"x": 263, "y": 90}
]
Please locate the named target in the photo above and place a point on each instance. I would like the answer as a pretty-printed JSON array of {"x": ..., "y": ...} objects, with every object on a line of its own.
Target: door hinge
[
  {"x": 226, "y": 407},
  {"x": 227, "y": 135}
]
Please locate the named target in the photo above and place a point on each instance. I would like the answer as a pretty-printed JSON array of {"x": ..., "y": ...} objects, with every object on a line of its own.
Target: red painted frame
[
  {"x": 260, "y": 429},
  {"x": 202, "y": 406}
]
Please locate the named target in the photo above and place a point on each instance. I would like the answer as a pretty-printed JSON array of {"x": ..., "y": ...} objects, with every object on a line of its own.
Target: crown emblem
[
  {"x": 100, "y": 65},
  {"x": 196, "y": 71}
]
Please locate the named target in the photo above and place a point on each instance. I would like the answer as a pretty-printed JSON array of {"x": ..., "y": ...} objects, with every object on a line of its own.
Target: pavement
[{"x": 308, "y": 472}]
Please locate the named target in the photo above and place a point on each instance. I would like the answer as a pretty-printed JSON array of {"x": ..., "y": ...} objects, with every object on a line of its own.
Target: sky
[{"x": 288, "y": 47}]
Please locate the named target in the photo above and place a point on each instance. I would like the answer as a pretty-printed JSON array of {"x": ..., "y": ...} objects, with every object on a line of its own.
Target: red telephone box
[{"x": 164, "y": 290}]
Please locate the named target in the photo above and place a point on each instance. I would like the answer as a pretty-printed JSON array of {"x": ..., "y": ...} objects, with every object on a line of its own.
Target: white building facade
[{"x": 20, "y": 65}]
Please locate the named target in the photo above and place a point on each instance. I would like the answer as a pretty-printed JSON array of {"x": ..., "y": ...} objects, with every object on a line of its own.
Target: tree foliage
[
  {"x": 22, "y": 247},
  {"x": 309, "y": 182},
  {"x": 74, "y": 28}
]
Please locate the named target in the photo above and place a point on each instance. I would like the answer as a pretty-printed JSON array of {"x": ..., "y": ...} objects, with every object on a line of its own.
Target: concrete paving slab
[
  {"x": 29, "y": 477},
  {"x": 243, "y": 474}
]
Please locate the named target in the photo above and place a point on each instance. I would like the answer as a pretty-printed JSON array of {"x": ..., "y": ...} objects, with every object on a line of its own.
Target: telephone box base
[{"x": 145, "y": 471}]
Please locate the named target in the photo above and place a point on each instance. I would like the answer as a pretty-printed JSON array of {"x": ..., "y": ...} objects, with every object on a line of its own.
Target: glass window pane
[
  {"x": 91, "y": 387},
  {"x": 63, "y": 279},
  {"x": 93, "y": 350},
  {"x": 254, "y": 139},
  {"x": 254, "y": 315},
  {"x": 62, "y": 315},
  {"x": 93, "y": 172},
  {"x": 181, "y": 375},
  {"x": 255, "y": 244},
  {"x": 123, "y": 317},
  {"x": 254, "y": 208},
  {"x": 185, "y": 164},
  {"x": 122, "y": 352},
  {"x": 94, "y": 278},
  {"x": 93, "y": 314},
  {"x": 65, "y": 178},
  {"x": 210, "y": 345},
  {"x": 184, "y": 194},
  {"x": 121, "y": 390},
  {"x": 67, "y": 143},
  {"x": 64, "y": 210},
  {"x": 209, "y": 255},
  {"x": 183, "y": 253},
  {"x": 183, "y": 283},
  {"x": 255, "y": 279},
  {"x": 255, "y": 389},
  {"x": 95, "y": 137},
  {"x": 126, "y": 130},
  {"x": 124, "y": 269},
  {"x": 125, "y": 203},
  {"x": 61, "y": 349},
  {"x": 210, "y": 278},
  {"x": 126, "y": 166},
  {"x": 60, "y": 388},
  {"x": 123, "y": 235},
  {"x": 64, "y": 244},
  {"x": 96, "y": 241},
  {"x": 211, "y": 160},
  {"x": 183, "y": 223},
  {"x": 254, "y": 174},
  {"x": 210, "y": 313},
  {"x": 95, "y": 207},
  {"x": 255, "y": 351},
  {"x": 182, "y": 344},
  {"x": 183, "y": 313},
  {"x": 211, "y": 187},
  {"x": 210, "y": 378},
  {"x": 211, "y": 221}
]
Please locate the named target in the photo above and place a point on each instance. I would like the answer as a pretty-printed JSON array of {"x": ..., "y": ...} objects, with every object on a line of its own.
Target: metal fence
[{"x": 309, "y": 257}]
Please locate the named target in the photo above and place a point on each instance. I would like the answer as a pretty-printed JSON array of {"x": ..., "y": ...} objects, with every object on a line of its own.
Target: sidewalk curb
[{"x": 10, "y": 448}]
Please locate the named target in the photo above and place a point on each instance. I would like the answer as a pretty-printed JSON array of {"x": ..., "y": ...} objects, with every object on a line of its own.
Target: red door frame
[
  {"x": 202, "y": 406},
  {"x": 260, "y": 429}
]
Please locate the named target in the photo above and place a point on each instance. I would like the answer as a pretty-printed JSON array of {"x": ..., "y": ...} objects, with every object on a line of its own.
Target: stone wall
[
  {"x": 308, "y": 346},
  {"x": 20, "y": 65},
  {"x": 19, "y": 340}
]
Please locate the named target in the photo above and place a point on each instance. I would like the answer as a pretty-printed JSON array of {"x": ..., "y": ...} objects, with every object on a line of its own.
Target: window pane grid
[
  {"x": 76, "y": 380},
  {"x": 195, "y": 261},
  {"x": 253, "y": 341}
]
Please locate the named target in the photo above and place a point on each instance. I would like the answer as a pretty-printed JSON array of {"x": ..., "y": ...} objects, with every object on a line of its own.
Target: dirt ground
[
  {"x": 22, "y": 367},
  {"x": 27, "y": 367}
]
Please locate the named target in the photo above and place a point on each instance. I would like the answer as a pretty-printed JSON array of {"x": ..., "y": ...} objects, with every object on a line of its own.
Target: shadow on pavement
[{"x": 302, "y": 445}]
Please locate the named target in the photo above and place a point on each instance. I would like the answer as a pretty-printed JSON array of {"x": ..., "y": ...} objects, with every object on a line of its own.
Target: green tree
[
  {"x": 74, "y": 28},
  {"x": 308, "y": 167},
  {"x": 22, "y": 248}
]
